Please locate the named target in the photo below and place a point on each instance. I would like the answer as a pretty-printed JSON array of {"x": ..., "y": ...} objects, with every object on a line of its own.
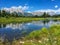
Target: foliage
[
  {"x": 45, "y": 36},
  {"x": 50, "y": 36},
  {"x": 18, "y": 19},
  {"x": 6, "y": 14}
]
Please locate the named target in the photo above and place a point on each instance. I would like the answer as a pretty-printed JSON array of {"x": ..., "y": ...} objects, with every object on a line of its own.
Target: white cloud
[
  {"x": 16, "y": 9},
  {"x": 50, "y": 11},
  {"x": 56, "y": 6},
  {"x": 25, "y": 8},
  {"x": 46, "y": 10}
]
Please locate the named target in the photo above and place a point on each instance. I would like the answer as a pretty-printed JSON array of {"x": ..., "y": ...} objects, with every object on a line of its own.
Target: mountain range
[{"x": 38, "y": 13}]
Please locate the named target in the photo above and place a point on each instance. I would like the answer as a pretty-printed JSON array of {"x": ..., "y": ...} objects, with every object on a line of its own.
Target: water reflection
[
  {"x": 2, "y": 25},
  {"x": 15, "y": 31}
]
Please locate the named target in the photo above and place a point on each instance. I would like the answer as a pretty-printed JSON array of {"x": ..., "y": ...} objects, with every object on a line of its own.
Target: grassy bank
[
  {"x": 18, "y": 19},
  {"x": 45, "y": 36},
  {"x": 50, "y": 36},
  {"x": 23, "y": 19}
]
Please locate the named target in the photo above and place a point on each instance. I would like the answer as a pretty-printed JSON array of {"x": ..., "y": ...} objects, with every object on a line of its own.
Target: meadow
[
  {"x": 23, "y": 19},
  {"x": 18, "y": 19}
]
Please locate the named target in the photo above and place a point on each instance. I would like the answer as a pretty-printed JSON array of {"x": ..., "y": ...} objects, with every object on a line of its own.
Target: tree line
[{"x": 3, "y": 13}]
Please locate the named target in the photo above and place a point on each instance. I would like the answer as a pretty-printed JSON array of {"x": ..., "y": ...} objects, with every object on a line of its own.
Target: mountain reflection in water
[{"x": 17, "y": 30}]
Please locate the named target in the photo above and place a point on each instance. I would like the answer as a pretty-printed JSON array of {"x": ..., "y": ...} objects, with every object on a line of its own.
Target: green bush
[{"x": 47, "y": 36}]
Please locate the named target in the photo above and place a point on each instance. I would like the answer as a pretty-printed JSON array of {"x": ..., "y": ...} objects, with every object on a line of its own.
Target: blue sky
[{"x": 32, "y": 4}]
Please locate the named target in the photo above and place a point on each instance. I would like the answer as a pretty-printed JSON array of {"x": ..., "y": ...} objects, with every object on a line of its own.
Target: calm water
[{"x": 17, "y": 30}]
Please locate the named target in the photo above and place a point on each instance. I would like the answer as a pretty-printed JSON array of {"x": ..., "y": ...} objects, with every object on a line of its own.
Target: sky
[{"x": 31, "y": 5}]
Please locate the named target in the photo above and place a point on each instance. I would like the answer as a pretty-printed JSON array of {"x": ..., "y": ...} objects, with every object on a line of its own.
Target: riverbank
[
  {"x": 50, "y": 36},
  {"x": 44, "y": 36},
  {"x": 23, "y": 19},
  {"x": 18, "y": 20}
]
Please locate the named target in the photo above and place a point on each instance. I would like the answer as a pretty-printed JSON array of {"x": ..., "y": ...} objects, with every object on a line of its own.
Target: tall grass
[
  {"x": 18, "y": 19},
  {"x": 45, "y": 36},
  {"x": 50, "y": 36},
  {"x": 23, "y": 19}
]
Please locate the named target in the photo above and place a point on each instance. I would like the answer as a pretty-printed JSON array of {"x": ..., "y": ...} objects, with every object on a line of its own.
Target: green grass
[
  {"x": 44, "y": 36},
  {"x": 18, "y": 20},
  {"x": 50, "y": 36},
  {"x": 23, "y": 19}
]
